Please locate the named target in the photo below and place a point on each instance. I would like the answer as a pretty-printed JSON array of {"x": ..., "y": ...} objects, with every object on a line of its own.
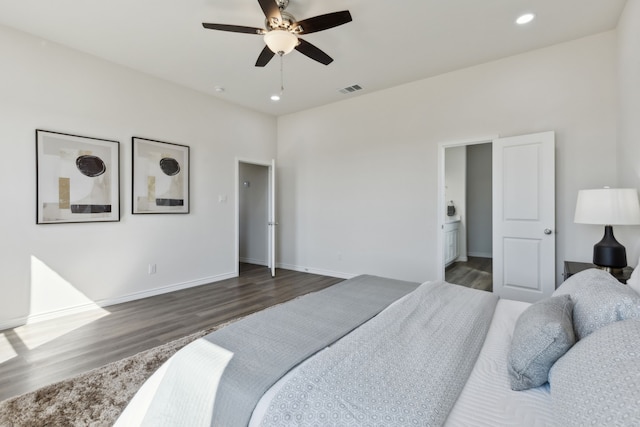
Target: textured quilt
[{"x": 406, "y": 366}]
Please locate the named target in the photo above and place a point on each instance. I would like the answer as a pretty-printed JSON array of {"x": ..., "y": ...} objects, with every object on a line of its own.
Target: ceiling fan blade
[
  {"x": 233, "y": 28},
  {"x": 264, "y": 57},
  {"x": 271, "y": 10},
  {"x": 306, "y": 48},
  {"x": 323, "y": 22}
]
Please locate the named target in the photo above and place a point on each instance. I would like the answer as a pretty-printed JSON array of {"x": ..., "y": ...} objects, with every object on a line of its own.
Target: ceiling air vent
[{"x": 350, "y": 89}]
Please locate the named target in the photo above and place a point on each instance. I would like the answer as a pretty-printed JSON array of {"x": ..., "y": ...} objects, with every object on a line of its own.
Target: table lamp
[{"x": 608, "y": 207}]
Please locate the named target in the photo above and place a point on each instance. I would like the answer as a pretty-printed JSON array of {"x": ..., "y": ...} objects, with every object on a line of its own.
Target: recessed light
[
  {"x": 525, "y": 19},
  {"x": 275, "y": 98},
  {"x": 219, "y": 89}
]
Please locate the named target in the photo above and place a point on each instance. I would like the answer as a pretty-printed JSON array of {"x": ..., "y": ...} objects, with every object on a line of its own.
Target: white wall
[
  {"x": 358, "y": 178},
  {"x": 254, "y": 213},
  {"x": 479, "y": 200},
  {"x": 629, "y": 119},
  {"x": 56, "y": 267}
]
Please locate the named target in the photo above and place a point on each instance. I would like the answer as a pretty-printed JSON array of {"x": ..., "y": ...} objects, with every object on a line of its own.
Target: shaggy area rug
[{"x": 95, "y": 398}]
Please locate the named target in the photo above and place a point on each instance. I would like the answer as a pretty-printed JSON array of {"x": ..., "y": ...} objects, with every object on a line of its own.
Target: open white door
[
  {"x": 524, "y": 216},
  {"x": 272, "y": 218}
]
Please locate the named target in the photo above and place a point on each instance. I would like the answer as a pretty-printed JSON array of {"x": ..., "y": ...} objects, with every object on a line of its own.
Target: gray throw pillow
[
  {"x": 543, "y": 333},
  {"x": 596, "y": 382},
  {"x": 598, "y": 299}
]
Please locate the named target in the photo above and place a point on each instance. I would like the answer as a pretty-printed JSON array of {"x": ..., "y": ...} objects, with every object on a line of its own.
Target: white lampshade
[
  {"x": 608, "y": 206},
  {"x": 281, "y": 41}
]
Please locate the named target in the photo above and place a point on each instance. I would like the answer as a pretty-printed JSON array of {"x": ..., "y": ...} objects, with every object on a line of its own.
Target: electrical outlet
[{"x": 152, "y": 269}]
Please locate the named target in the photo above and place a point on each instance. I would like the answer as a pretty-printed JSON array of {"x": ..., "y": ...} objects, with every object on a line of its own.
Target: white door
[
  {"x": 272, "y": 218},
  {"x": 524, "y": 216}
]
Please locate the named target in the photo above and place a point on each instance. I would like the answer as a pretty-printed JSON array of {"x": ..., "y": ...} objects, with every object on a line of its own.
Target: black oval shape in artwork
[
  {"x": 169, "y": 166},
  {"x": 90, "y": 165}
]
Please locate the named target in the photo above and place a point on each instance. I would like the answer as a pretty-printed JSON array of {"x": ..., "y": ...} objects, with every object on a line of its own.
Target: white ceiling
[{"x": 387, "y": 44}]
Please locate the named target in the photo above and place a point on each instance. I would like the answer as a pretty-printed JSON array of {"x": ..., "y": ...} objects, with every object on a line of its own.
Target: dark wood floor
[
  {"x": 475, "y": 273},
  {"x": 35, "y": 355}
]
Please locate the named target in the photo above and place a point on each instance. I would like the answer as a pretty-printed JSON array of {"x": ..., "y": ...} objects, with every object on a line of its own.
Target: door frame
[
  {"x": 442, "y": 203},
  {"x": 270, "y": 165}
]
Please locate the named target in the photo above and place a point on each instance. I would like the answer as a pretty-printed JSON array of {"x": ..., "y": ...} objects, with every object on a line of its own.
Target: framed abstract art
[
  {"x": 160, "y": 177},
  {"x": 77, "y": 178}
]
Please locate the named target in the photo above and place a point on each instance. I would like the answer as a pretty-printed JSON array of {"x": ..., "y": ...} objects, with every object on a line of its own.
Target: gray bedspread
[
  {"x": 218, "y": 379},
  {"x": 406, "y": 366}
]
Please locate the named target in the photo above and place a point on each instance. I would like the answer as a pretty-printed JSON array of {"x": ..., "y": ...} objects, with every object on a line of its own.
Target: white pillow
[{"x": 634, "y": 280}]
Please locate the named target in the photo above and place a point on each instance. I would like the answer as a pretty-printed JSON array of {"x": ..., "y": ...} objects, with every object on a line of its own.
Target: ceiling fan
[{"x": 282, "y": 31}]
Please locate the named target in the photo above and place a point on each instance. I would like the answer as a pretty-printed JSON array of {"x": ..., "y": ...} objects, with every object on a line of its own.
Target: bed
[{"x": 378, "y": 351}]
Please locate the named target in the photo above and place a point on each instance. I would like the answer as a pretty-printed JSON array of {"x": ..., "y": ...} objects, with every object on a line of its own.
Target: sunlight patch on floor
[{"x": 53, "y": 296}]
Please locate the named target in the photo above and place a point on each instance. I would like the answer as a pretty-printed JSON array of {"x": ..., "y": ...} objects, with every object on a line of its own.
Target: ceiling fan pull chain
[{"x": 281, "y": 74}]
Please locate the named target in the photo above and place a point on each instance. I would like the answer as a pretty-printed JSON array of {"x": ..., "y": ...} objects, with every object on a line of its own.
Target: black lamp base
[{"x": 608, "y": 254}]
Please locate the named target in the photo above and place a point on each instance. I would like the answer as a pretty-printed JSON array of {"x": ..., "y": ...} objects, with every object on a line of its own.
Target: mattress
[{"x": 487, "y": 399}]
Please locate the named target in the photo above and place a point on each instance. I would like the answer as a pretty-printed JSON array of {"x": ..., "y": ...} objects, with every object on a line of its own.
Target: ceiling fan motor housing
[
  {"x": 286, "y": 23},
  {"x": 282, "y": 4}
]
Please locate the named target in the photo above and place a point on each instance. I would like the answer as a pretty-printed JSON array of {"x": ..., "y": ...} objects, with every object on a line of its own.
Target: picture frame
[
  {"x": 77, "y": 178},
  {"x": 160, "y": 177}
]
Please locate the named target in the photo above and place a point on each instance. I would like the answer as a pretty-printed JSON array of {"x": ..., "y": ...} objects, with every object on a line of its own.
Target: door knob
[{"x": 547, "y": 231}]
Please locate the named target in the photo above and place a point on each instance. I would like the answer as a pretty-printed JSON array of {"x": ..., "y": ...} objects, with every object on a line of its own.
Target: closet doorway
[
  {"x": 467, "y": 191},
  {"x": 254, "y": 212}
]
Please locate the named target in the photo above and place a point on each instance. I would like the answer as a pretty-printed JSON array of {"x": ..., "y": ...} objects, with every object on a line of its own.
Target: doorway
[
  {"x": 468, "y": 220},
  {"x": 523, "y": 214},
  {"x": 253, "y": 196}
]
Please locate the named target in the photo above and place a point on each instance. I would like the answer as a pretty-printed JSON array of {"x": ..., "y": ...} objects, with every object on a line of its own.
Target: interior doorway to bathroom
[{"x": 468, "y": 231}]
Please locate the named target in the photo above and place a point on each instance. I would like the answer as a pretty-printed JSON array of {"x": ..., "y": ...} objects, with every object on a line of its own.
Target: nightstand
[{"x": 573, "y": 267}]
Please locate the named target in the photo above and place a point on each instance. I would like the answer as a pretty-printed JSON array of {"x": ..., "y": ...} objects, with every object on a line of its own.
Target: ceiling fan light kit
[
  {"x": 283, "y": 31},
  {"x": 280, "y": 41}
]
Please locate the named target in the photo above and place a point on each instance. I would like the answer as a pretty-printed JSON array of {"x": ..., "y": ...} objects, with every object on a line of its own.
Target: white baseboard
[
  {"x": 13, "y": 323},
  {"x": 340, "y": 275},
  {"x": 167, "y": 289}
]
